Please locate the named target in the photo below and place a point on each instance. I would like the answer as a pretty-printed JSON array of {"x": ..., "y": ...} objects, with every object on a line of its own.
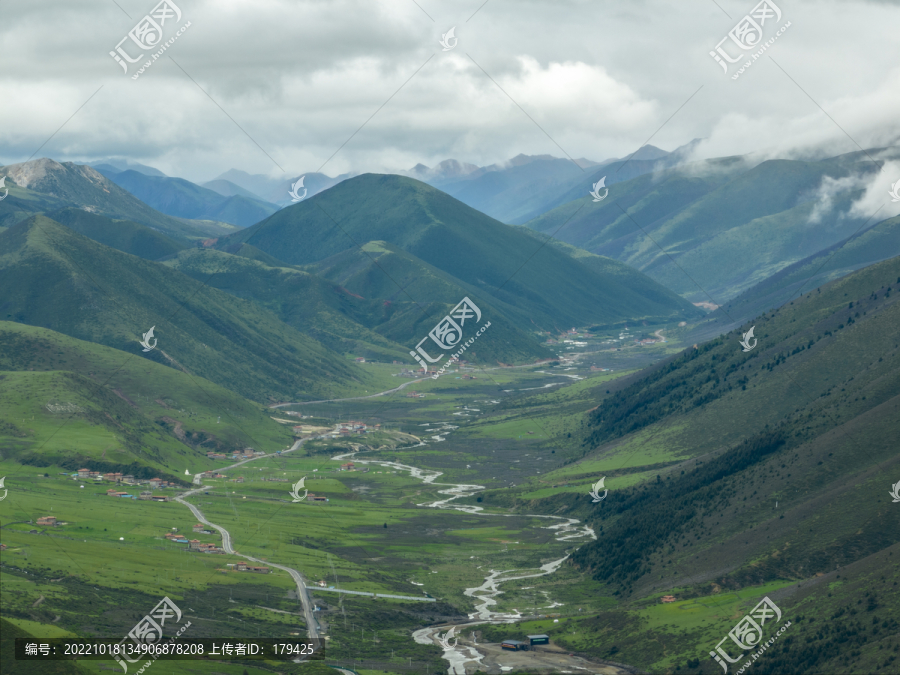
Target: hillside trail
[
  {"x": 312, "y": 625},
  {"x": 461, "y": 656}
]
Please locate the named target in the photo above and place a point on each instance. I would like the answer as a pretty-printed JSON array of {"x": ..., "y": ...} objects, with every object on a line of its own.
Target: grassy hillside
[
  {"x": 868, "y": 247},
  {"x": 181, "y": 198},
  {"x": 10, "y": 666},
  {"x": 123, "y": 235},
  {"x": 323, "y": 310},
  {"x": 805, "y": 419},
  {"x": 329, "y": 306},
  {"x": 507, "y": 265},
  {"x": 734, "y": 475},
  {"x": 60, "y": 280},
  {"x": 65, "y": 402},
  {"x": 67, "y": 184},
  {"x": 722, "y": 226}
]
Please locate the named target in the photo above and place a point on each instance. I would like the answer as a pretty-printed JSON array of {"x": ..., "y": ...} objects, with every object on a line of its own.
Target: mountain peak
[{"x": 32, "y": 171}]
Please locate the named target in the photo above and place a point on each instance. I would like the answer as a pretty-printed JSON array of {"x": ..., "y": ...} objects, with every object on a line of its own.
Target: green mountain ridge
[
  {"x": 43, "y": 185},
  {"x": 464, "y": 243},
  {"x": 123, "y": 235},
  {"x": 68, "y": 402},
  {"x": 690, "y": 228},
  {"x": 61, "y": 280},
  {"x": 806, "y": 419}
]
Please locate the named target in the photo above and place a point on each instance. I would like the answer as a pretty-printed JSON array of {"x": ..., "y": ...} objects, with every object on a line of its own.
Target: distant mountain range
[
  {"x": 712, "y": 230},
  {"x": 43, "y": 185},
  {"x": 181, "y": 198},
  {"x": 527, "y": 186}
]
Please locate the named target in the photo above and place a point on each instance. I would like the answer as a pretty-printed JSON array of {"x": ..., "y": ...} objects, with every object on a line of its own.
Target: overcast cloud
[{"x": 299, "y": 77}]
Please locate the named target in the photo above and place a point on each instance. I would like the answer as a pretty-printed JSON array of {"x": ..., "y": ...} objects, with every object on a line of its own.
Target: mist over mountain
[{"x": 690, "y": 227}]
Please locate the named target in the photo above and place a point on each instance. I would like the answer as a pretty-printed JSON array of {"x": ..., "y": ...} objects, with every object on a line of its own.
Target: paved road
[
  {"x": 312, "y": 625},
  {"x": 370, "y": 594}
]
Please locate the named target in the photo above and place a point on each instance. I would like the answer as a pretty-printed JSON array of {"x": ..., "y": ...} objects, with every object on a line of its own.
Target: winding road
[{"x": 312, "y": 626}]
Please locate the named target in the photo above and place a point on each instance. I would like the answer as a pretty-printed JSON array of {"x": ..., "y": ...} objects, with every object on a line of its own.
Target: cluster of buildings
[
  {"x": 350, "y": 466},
  {"x": 127, "y": 479},
  {"x": 194, "y": 544},
  {"x": 343, "y": 429},
  {"x": 415, "y": 394},
  {"x": 49, "y": 521}
]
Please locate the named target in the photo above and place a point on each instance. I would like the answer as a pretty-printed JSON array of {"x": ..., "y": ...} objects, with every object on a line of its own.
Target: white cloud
[{"x": 301, "y": 76}]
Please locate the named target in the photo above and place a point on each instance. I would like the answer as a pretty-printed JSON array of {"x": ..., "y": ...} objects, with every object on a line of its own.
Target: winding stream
[{"x": 485, "y": 594}]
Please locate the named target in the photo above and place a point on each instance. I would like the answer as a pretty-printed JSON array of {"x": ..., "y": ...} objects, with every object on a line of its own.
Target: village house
[
  {"x": 47, "y": 520},
  {"x": 198, "y": 527},
  {"x": 84, "y": 473},
  {"x": 159, "y": 498},
  {"x": 315, "y": 498},
  {"x": 668, "y": 598},
  {"x": 145, "y": 495},
  {"x": 194, "y": 545},
  {"x": 239, "y": 479},
  {"x": 258, "y": 570},
  {"x": 298, "y": 428},
  {"x": 155, "y": 482},
  {"x": 360, "y": 359},
  {"x": 240, "y": 566},
  {"x": 349, "y": 466}
]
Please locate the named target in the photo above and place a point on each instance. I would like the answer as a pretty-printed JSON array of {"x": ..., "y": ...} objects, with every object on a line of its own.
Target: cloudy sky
[{"x": 284, "y": 87}]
